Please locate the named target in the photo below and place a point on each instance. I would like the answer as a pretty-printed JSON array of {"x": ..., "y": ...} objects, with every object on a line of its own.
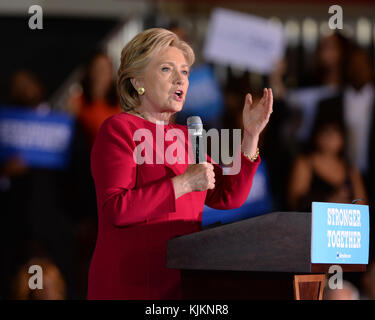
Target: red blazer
[{"x": 138, "y": 212}]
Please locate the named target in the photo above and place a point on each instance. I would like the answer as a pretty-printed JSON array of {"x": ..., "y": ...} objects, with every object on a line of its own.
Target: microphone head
[{"x": 195, "y": 125}]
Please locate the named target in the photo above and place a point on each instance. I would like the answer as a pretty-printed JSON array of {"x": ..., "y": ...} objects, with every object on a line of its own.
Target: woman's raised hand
[{"x": 256, "y": 117}]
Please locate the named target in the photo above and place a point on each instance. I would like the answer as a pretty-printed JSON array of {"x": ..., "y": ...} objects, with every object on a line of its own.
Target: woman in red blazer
[{"x": 141, "y": 206}]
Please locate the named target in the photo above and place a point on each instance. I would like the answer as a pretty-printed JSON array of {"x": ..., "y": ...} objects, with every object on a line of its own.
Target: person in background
[
  {"x": 54, "y": 286},
  {"x": 98, "y": 99},
  {"x": 325, "y": 80},
  {"x": 348, "y": 292},
  {"x": 324, "y": 173},
  {"x": 332, "y": 56},
  {"x": 34, "y": 206},
  {"x": 26, "y": 90},
  {"x": 354, "y": 105}
]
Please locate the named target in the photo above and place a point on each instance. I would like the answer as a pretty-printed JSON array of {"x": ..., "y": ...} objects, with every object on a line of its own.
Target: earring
[{"x": 141, "y": 91}]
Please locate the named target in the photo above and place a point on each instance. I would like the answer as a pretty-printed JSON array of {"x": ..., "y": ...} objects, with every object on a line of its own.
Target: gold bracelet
[{"x": 254, "y": 157}]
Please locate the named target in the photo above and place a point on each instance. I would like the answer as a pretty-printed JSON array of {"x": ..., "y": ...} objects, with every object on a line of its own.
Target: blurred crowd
[
  {"x": 51, "y": 214},
  {"x": 317, "y": 147}
]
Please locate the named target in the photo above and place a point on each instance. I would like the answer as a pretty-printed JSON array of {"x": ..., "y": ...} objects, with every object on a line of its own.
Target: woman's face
[
  {"x": 330, "y": 52},
  {"x": 330, "y": 140},
  {"x": 25, "y": 89},
  {"x": 101, "y": 73},
  {"x": 165, "y": 81}
]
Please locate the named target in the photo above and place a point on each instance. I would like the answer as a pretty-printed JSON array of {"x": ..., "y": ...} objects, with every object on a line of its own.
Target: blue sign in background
[
  {"x": 40, "y": 139},
  {"x": 340, "y": 233},
  {"x": 258, "y": 202}
]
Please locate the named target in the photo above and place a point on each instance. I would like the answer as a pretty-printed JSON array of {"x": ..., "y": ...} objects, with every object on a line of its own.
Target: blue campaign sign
[
  {"x": 340, "y": 233},
  {"x": 204, "y": 97},
  {"x": 258, "y": 202},
  {"x": 42, "y": 140}
]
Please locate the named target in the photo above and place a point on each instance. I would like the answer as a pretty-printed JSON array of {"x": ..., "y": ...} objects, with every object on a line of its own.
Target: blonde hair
[{"x": 137, "y": 54}]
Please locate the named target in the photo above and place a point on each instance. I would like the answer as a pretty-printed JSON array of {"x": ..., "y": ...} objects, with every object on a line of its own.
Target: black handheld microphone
[{"x": 195, "y": 126}]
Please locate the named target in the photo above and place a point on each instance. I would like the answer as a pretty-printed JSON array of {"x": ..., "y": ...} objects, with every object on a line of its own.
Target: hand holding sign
[
  {"x": 41, "y": 140},
  {"x": 244, "y": 40}
]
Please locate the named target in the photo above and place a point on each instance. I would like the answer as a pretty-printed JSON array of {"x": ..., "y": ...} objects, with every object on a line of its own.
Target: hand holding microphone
[{"x": 199, "y": 176}]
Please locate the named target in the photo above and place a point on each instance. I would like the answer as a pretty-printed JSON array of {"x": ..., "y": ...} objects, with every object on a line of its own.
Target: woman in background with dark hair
[
  {"x": 324, "y": 173},
  {"x": 332, "y": 57},
  {"x": 98, "y": 99},
  {"x": 324, "y": 78}
]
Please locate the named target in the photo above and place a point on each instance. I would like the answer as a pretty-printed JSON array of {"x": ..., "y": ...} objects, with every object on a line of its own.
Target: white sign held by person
[{"x": 244, "y": 40}]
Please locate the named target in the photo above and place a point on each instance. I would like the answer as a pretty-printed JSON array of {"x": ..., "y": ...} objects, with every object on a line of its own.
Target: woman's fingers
[
  {"x": 266, "y": 101},
  {"x": 248, "y": 100},
  {"x": 270, "y": 101},
  {"x": 263, "y": 100},
  {"x": 267, "y": 105},
  {"x": 266, "y": 95}
]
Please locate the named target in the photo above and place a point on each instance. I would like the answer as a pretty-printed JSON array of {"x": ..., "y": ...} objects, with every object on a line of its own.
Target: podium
[{"x": 265, "y": 257}]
